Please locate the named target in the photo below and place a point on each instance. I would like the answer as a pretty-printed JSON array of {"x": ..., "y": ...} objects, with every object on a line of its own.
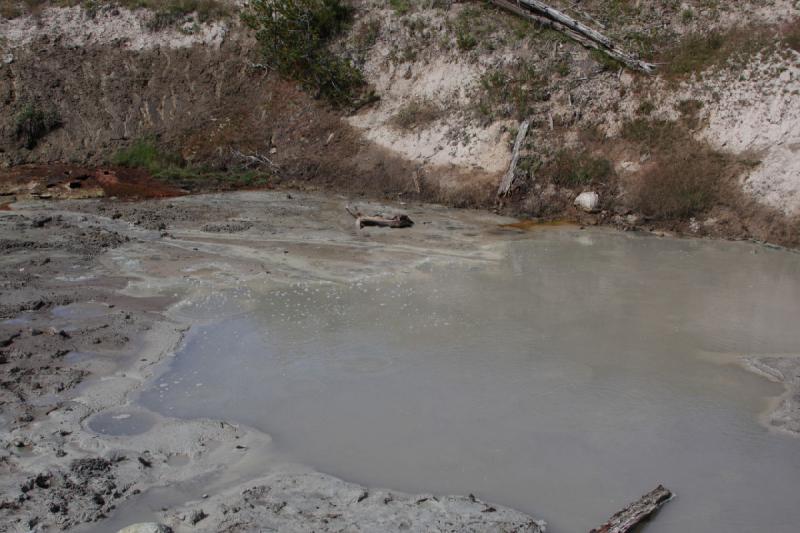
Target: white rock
[
  {"x": 588, "y": 201},
  {"x": 146, "y": 527}
]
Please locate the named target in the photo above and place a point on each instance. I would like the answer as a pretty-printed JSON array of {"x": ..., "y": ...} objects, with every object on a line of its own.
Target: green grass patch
[
  {"x": 401, "y": 7},
  {"x": 145, "y": 154},
  {"x": 167, "y": 165}
]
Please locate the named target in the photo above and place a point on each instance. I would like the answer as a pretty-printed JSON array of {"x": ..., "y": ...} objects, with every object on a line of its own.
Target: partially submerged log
[
  {"x": 575, "y": 30},
  {"x": 508, "y": 179},
  {"x": 626, "y": 519},
  {"x": 397, "y": 221}
]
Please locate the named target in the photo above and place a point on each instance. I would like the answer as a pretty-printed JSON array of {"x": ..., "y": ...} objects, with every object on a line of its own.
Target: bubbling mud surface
[{"x": 564, "y": 381}]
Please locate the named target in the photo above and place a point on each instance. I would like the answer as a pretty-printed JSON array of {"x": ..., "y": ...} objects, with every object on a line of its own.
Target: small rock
[{"x": 588, "y": 201}]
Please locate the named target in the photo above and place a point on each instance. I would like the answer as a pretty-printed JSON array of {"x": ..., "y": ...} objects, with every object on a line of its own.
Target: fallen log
[
  {"x": 508, "y": 179},
  {"x": 626, "y": 519},
  {"x": 575, "y": 30},
  {"x": 397, "y": 221}
]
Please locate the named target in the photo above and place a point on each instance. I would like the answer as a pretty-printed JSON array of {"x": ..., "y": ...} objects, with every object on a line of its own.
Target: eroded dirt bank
[{"x": 87, "y": 291}]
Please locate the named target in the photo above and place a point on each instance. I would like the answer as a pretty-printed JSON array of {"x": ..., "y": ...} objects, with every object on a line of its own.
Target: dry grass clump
[
  {"x": 417, "y": 113},
  {"x": 577, "y": 168},
  {"x": 683, "y": 185},
  {"x": 684, "y": 177},
  {"x": 700, "y": 51}
]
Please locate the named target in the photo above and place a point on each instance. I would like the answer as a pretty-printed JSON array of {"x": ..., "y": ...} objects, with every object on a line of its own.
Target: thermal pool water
[{"x": 564, "y": 381}]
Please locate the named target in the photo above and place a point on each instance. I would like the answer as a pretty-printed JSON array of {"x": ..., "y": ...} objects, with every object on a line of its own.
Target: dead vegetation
[
  {"x": 683, "y": 177},
  {"x": 417, "y": 113},
  {"x": 577, "y": 168},
  {"x": 165, "y": 12}
]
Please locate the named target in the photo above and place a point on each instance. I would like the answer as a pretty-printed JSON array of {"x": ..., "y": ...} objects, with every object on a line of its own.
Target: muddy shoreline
[{"x": 87, "y": 316}]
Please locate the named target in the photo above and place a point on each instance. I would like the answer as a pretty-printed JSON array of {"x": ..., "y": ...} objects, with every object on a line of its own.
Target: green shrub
[
  {"x": 294, "y": 35},
  {"x": 33, "y": 123}
]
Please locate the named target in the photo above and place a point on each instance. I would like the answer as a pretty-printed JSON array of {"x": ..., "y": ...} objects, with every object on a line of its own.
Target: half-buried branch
[{"x": 555, "y": 19}]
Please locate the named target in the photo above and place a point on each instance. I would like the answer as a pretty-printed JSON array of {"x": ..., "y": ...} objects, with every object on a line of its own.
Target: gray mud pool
[{"x": 564, "y": 381}]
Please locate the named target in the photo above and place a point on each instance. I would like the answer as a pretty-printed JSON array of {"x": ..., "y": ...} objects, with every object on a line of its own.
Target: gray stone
[{"x": 588, "y": 201}]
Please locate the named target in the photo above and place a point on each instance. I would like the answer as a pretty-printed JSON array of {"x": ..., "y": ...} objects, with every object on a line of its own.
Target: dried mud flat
[{"x": 87, "y": 289}]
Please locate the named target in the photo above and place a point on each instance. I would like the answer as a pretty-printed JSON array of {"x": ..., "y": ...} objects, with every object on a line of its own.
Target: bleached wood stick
[
  {"x": 579, "y": 32},
  {"x": 508, "y": 179}
]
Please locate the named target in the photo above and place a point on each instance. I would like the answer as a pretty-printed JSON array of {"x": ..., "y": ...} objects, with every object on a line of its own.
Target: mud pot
[{"x": 224, "y": 362}]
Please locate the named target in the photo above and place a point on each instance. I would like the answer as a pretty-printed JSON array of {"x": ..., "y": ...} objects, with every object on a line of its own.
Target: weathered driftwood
[
  {"x": 253, "y": 160},
  {"x": 397, "y": 221},
  {"x": 508, "y": 179},
  {"x": 626, "y": 519},
  {"x": 583, "y": 34}
]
